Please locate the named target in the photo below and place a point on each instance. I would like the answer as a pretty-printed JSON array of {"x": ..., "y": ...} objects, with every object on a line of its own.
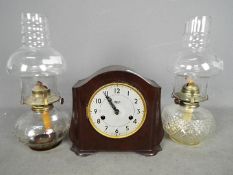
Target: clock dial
[{"x": 117, "y": 110}]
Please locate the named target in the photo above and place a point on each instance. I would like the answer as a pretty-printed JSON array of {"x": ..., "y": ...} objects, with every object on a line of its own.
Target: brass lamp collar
[
  {"x": 189, "y": 95},
  {"x": 42, "y": 108},
  {"x": 42, "y": 97}
]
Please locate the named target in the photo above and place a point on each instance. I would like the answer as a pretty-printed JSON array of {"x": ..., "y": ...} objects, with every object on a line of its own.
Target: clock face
[{"x": 117, "y": 110}]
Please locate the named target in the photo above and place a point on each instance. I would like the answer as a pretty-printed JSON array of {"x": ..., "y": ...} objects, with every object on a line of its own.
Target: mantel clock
[{"x": 116, "y": 109}]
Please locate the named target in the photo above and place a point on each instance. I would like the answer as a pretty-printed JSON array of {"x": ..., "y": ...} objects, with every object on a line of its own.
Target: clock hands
[{"x": 116, "y": 111}]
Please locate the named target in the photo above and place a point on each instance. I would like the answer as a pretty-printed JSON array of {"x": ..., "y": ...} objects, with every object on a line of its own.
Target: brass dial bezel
[{"x": 116, "y": 84}]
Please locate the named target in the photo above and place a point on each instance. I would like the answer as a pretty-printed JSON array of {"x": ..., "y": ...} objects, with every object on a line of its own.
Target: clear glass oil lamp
[
  {"x": 38, "y": 64},
  {"x": 185, "y": 121}
]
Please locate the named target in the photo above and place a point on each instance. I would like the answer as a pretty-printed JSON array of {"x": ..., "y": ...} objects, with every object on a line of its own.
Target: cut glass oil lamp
[
  {"x": 185, "y": 121},
  {"x": 38, "y": 64}
]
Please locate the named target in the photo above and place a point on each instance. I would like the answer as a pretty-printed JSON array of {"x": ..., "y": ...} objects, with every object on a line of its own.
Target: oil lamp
[
  {"x": 185, "y": 121},
  {"x": 38, "y": 64}
]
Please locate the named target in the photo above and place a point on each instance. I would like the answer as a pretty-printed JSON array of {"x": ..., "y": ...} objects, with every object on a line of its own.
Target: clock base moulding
[{"x": 85, "y": 153}]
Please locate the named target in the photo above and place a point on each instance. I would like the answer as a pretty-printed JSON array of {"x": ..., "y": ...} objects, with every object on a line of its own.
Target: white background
[{"x": 140, "y": 34}]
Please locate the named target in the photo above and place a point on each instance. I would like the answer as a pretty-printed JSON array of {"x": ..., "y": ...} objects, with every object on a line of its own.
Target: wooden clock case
[{"x": 86, "y": 140}]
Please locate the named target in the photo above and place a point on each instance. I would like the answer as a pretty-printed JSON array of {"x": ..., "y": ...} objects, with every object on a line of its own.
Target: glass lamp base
[
  {"x": 42, "y": 131},
  {"x": 188, "y": 126},
  {"x": 184, "y": 142},
  {"x": 44, "y": 142}
]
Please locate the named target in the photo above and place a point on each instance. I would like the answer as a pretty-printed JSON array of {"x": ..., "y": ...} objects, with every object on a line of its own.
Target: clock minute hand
[{"x": 116, "y": 111}]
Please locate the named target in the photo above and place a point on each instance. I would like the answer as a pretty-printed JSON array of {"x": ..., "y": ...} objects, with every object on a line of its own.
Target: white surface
[{"x": 214, "y": 157}]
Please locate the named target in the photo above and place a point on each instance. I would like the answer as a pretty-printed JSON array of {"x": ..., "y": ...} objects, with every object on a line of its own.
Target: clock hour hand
[{"x": 116, "y": 111}]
